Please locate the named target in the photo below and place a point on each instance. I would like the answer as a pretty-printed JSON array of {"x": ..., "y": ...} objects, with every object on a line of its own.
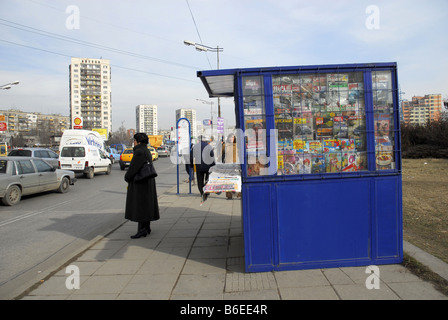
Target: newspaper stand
[{"x": 320, "y": 163}]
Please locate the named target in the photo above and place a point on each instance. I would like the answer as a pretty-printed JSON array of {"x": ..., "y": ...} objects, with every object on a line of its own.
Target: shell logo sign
[{"x": 77, "y": 123}]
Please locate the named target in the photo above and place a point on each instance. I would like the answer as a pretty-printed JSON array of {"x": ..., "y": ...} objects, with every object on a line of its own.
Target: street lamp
[
  {"x": 8, "y": 85},
  {"x": 204, "y": 48}
]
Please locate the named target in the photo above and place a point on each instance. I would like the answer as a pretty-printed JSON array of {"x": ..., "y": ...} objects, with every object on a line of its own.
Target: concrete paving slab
[{"x": 197, "y": 253}]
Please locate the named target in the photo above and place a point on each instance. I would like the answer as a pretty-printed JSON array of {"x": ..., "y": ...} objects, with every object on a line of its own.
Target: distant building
[
  {"x": 90, "y": 93},
  {"x": 37, "y": 127},
  {"x": 190, "y": 114},
  {"x": 420, "y": 110},
  {"x": 146, "y": 119}
]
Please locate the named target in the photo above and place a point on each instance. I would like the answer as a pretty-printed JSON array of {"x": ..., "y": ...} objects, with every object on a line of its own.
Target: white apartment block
[
  {"x": 90, "y": 93},
  {"x": 146, "y": 119},
  {"x": 190, "y": 114}
]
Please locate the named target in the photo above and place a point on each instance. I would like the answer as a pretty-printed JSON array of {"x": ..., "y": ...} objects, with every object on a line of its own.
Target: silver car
[
  {"x": 163, "y": 152},
  {"x": 25, "y": 175},
  {"x": 48, "y": 155}
]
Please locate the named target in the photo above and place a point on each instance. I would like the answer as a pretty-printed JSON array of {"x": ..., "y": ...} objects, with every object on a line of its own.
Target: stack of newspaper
[{"x": 224, "y": 177}]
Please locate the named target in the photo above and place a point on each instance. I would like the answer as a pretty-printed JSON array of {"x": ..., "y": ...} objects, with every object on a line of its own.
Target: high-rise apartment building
[
  {"x": 146, "y": 119},
  {"x": 190, "y": 114},
  {"x": 420, "y": 110},
  {"x": 90, "y": 93}
]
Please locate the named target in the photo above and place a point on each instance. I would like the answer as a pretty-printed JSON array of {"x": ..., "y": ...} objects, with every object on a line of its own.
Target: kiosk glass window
[
  {"x": 255, "y": 125},
  {"x": 383, "y": 114},
  {"x": 321, "y": 123}
]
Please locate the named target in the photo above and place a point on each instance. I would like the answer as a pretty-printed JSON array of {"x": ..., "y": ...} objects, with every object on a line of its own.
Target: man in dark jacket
[
  {"x": 204, "y": 158},
  {"x": 141, "y": 198}
]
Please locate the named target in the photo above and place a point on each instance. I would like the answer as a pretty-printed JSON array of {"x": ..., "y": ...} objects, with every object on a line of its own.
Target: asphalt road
[{"x": 45, "y": 230}]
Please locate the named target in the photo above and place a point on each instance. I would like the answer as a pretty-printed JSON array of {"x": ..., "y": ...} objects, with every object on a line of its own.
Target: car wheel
[
  {"x": 90, "y": 173},
  {"x": 12, "y": 195},
  {"x": 108, "y": 170},
  {"x": 65, "y": 184},
  {"x": 122, "y": 167}
]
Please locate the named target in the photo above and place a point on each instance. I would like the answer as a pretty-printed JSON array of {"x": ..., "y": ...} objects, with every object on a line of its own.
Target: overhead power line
[
  {"x": 44, "y": 33},
  {"x": 115, "y": 66},
  {"x": 197, "y": 31}
]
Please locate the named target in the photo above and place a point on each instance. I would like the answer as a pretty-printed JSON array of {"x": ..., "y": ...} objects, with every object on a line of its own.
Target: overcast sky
[{"x": 150, "y": 64}]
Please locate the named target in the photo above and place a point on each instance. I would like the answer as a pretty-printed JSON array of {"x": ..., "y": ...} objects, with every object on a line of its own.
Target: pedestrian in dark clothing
[
  {"x": 189, "y": 167},
  {"x": 204, "y": 159},
  {"x": 141, "y": 198}
]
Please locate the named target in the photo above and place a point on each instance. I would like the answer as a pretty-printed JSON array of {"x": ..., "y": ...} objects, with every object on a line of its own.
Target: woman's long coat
[{"x": 141, "y": 198}]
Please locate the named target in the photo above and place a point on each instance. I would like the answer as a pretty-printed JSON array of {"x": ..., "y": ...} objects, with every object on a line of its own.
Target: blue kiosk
[{"x": 321, "y": 163}]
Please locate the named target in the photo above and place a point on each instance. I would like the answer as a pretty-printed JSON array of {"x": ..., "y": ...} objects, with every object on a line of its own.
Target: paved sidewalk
[{"x": 196, "y": 252}]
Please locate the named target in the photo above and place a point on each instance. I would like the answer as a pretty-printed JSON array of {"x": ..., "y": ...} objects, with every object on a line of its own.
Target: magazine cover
[
  {"x": 337, "y": 95},
  {"x": 349, "y": 162},
  {"x": 289, "y": 162},
  {"x": 331, "y": 145},
  {"x": 384, "y": 153},
  {"x": 382, "y": 122},
  {"x": 314, "y": 146},
  {"x": 347, "y": 144},
  {"x": 300, "y": 146},
  {"x": 324, "y": 126},
  {"x": 317, "y": 163},
  {"x": 333, "y": 162},
  {"x": 340, "y": 128},
  {"x": 303, "y": 163},
  {"x": 303, "y": 126}
]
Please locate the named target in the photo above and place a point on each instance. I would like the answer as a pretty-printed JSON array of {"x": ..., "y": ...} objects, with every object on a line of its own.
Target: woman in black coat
[{"x": 141, "y": 198}]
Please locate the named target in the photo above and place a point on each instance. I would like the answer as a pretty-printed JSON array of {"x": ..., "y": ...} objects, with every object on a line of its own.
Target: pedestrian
[
  {"x": 189, "y": 167},
  {"x": 231, "y": 156},
  {"x": 141, "y": 198},
  {"x": 204, "y": 158}
]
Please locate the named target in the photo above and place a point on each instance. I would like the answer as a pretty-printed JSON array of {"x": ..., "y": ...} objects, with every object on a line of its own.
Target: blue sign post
[{"x": 183, "y": 141}]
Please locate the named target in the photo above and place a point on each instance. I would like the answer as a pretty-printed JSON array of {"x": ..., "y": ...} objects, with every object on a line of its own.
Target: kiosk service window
[{"x": 320, "y": 121}]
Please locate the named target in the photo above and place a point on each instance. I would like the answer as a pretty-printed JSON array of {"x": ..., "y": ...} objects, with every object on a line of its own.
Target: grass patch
[
  {"x": 425, "y": 214},
  {"x": 425, "y": 205}
]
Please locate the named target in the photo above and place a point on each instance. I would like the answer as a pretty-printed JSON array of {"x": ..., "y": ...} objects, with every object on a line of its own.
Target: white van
[
  {"x": 82, "y": 137},
  {"x": 84, "y": 159}
]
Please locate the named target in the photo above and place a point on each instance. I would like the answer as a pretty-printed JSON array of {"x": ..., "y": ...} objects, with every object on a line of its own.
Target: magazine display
[
  {"x": 320, "y": 120},
  {"x": 383, "y": 120}
]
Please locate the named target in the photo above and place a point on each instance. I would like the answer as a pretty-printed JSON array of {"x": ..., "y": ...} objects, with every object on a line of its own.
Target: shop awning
[{"x": 218, "y": 83}]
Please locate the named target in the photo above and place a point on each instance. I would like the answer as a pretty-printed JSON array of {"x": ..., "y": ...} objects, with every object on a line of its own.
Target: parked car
[
  {"x": 84, "y": 159},
  {"x": 25, "y": 175},
  {"x": 48, "y": 155},
  {"x": 154, "y": 153},
  {"x": 126, "y": 157},
  {"x": 163, "y": 152}
]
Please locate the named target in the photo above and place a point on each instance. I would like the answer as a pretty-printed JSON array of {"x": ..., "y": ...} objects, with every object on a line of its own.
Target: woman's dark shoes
[{"x": 141, "y": 233}]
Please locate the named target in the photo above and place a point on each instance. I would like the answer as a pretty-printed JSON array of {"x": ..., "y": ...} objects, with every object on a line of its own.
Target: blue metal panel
[
  {"x": 257, "y": 223},
  {"x": 388, "y": 218},
  {"x": 323, "y": 221}
]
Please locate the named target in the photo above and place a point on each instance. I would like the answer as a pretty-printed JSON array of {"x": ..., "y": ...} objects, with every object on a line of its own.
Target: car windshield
[
  {"x": 128, "y": 151},
  {"x": 3, "y": 166},
  {"x": 20, "y": 153},
  {"x": 73, "y": 152}
]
